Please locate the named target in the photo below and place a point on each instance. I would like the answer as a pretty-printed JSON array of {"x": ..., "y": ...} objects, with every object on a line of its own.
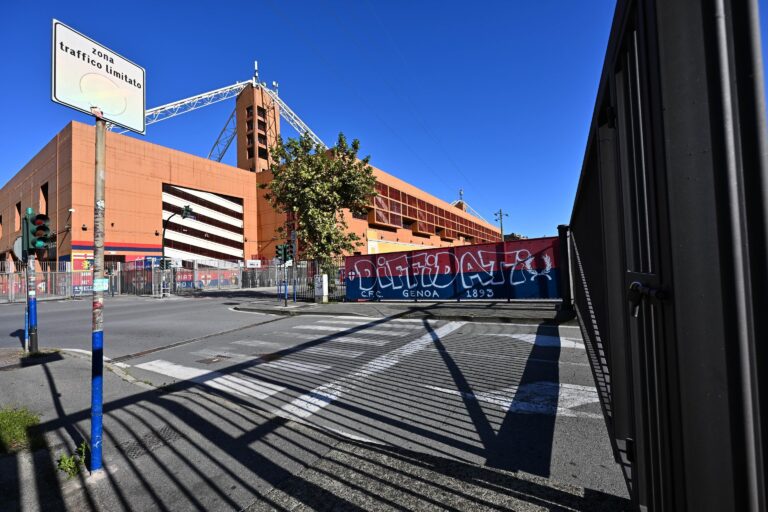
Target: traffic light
[
  {"x": 39, "y": 232},
  {"x": 282, "y": 253},
  {"x": 288, "y": 252}
]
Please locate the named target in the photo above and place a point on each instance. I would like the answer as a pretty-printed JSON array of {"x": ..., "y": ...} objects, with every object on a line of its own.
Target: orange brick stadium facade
[{"x": 147, "y": 184}]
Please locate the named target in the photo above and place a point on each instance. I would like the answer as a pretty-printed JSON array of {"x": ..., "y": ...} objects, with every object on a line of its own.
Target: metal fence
[
  {"x": 48, "y": 285},
  {"x": 669, "y": 249},
  {"x": 147, "y": 278}
]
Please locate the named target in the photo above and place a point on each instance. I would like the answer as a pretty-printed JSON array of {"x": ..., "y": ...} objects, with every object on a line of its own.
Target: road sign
[
  {"x": 17, "y": 249},
  {"x": 86, "y": 74}
]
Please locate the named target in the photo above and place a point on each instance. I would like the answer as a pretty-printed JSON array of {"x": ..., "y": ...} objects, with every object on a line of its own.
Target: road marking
[
  {"x": 308, "y": 404},
  {"x": 543, "y": 340},
  {"x": 511, "y": 356},
  {"x": 548, "y": 398},
  {"x": 334, "y": 352},
  {"x": 296, "y": 366},
  {"x": 387, "y": 319},
  {"x": 339, "y": 339},
  {"x": 256, "y": 343},
  {"x": 249, "y": 387},
  {"x": 366, "y": 322},
  {"x": 360, "y": 341},
  {"x": 339, "y": 329}
]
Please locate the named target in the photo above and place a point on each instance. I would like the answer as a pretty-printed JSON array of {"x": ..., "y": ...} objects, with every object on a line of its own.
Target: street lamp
[{"x": 186, "y": 213}]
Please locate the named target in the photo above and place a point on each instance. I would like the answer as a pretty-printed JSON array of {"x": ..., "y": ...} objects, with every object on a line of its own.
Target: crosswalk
[{"x": 304, "y": 368}]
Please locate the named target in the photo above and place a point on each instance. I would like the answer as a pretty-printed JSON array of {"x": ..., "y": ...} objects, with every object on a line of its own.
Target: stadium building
[{"x": 146, "y": 184}]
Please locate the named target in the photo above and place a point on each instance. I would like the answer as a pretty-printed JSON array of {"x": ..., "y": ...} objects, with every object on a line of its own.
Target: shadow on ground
[{"x": 185, "y": 446}]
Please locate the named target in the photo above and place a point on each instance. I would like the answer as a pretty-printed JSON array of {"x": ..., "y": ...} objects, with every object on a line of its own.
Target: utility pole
[
  {"x": 500, "y": 217},
  {"x": 97, "y": 323}
]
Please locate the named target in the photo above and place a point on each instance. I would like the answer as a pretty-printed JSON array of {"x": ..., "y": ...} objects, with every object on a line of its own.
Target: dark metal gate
[{"x": 668, "y": 238}]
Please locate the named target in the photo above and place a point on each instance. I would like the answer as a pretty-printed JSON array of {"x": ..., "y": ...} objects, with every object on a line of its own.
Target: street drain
[{"x": 149, "y": 442}]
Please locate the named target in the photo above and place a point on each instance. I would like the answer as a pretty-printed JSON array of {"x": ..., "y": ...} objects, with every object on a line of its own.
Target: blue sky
[{"x": 492, "y": 97}]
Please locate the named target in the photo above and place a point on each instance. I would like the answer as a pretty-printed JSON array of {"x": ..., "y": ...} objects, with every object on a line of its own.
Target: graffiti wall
[{"x": 524, "y": 269}]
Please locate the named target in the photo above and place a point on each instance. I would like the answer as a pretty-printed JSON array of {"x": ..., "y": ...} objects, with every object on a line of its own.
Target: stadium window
[
  {"x": 249, "y": 111},
  {"x": 263, "y": 153},
  {"x": 250, "y": 152},
  {"x": 17, "y": 219}
]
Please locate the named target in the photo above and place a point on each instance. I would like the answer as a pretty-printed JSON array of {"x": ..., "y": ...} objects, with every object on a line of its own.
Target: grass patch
[
  {"x": 73, "y": 464},
  {"x": 15, "y": 427}
]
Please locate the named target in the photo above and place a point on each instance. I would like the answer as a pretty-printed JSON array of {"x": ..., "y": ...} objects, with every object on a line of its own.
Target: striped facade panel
[{"x": 215, "y": 232}]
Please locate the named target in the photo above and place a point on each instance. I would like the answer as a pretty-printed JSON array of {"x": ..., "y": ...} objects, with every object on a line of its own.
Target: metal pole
[
  {"x": 32, "y": 302},
  {"x": 285, "y": 282},
  {"x": 97, "y": 336}
]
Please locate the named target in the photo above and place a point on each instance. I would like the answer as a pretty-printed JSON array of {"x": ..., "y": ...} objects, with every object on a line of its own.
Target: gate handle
[{"x": 638, "y": 291}]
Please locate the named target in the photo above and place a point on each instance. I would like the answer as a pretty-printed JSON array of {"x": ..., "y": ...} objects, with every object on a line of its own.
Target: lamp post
[{"x": 186, "y": 213}]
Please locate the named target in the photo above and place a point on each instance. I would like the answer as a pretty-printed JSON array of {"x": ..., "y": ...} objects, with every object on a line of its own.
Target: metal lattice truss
[
  {"x": 228, "y": 132},
  {"x": 157, "y": 114},
  {"x": 224, "y": 140},
  {"x": 291, "y": 117}
]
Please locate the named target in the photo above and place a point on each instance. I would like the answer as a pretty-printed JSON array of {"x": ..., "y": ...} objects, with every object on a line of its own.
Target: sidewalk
[{"x": 176, "y": 448}]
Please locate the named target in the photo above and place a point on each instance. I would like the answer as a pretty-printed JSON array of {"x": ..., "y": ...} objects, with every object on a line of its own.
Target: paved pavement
[{"x": 320, "y": 412}]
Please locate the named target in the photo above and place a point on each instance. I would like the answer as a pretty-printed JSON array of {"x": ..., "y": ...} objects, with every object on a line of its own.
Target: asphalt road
[
  {"x": 512, "y": 397},
  {"x": 131, "y": 324}
]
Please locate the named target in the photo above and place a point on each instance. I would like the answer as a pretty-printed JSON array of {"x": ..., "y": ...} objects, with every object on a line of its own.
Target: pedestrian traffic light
[{"x": 39, "y": 232}]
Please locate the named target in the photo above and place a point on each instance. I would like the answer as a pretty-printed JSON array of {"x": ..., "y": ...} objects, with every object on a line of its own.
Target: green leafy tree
[{"x": 316, "y": 184}]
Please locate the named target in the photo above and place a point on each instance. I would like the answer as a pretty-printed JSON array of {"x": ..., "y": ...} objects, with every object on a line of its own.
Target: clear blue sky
[{"x": 493, "y": 97}]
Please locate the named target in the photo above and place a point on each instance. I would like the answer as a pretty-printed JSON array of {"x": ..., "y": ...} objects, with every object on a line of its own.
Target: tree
[{"x": 315, "y": 184}]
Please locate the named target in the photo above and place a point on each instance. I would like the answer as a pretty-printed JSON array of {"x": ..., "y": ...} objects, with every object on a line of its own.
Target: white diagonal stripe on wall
[
  {"x": 203, "y": 243},
  {"x": 202, "y": 226},
  {"x": 202, "y": 210},
  {"x": 213, "y": 198}
]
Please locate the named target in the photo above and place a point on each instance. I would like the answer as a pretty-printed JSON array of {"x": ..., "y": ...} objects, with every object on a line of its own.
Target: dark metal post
[
  {"x": 97, "y": 336},
  {"x": 565, "y": 268}
]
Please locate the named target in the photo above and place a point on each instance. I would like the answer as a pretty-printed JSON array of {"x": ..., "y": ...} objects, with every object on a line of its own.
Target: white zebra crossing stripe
[
  {"x": 296, "y": 366},
  {"x": 366, "y": 322},
  {"x": 340, "y": 339},
  {"x": 308, "y": 404},
  {"x": 543, "y": 340},
  {"x": 389, "y": 320},
  {"x": 548, "y": 398},
  {"x": 333, "y": 352},
  {"x": 257, "y": 343},
  {"x": 361, "y": 331},
  {"x": 248, "y": 387}
]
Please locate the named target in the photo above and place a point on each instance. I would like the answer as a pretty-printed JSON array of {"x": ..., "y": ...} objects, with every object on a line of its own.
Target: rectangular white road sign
[{"x": 86, "y": 74}]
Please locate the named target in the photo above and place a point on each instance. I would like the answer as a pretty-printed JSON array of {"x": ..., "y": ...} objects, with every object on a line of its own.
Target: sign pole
[{"x": 97, "y": 334}]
